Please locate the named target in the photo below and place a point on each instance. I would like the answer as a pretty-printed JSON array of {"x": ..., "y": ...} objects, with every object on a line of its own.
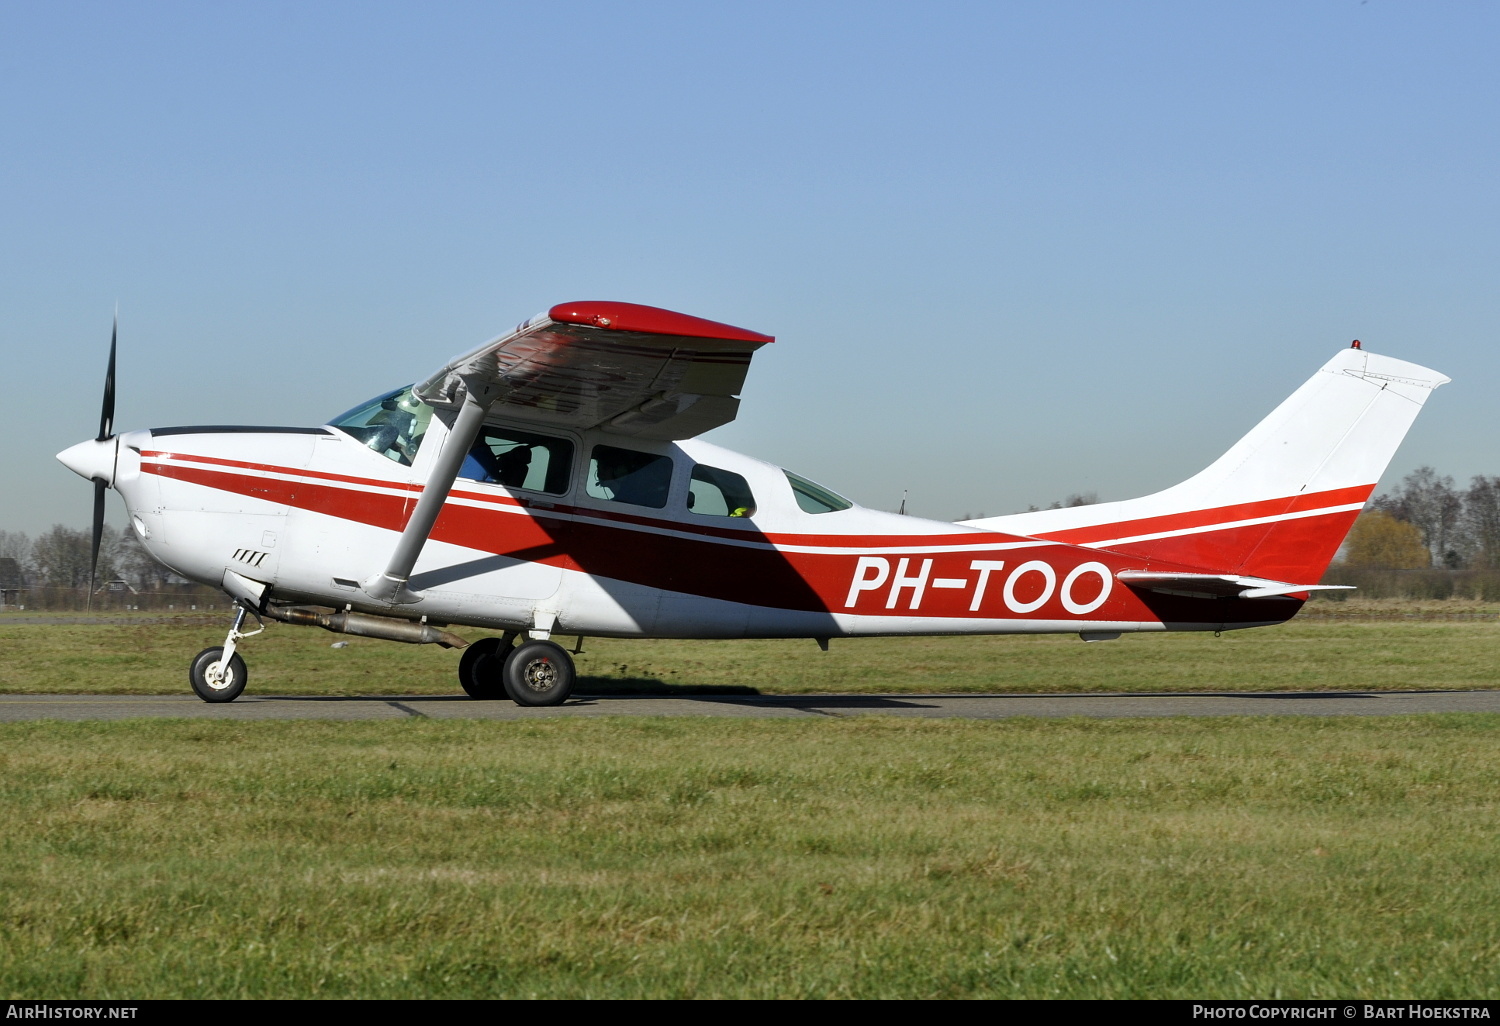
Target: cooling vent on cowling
[{"x": 250, "y": 557}]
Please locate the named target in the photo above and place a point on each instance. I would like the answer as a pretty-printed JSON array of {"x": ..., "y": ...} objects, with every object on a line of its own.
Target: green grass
[
  {"x": 864, "y": 857},
  {"x": 1307, "y": 654},
  {"x": 867, "y": 857}
]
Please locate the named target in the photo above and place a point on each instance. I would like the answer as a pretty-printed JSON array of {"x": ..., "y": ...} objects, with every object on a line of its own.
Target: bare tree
[
  {"x": 16, "y": 545},
  {"x": 1482, "y": 521},
  {"x": 1436, "y": 508},
  {"x": 61, "y": 557},
  {"x": 131, "y": 561}
]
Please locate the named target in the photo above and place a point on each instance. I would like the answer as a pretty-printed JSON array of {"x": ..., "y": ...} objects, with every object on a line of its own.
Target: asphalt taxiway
[{"x": 982, "y": 707}]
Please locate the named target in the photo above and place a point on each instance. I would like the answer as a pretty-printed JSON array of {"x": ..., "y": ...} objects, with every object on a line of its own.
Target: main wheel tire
[
  {"x": 228, "y": 687},
  {"x": 481, "y": 668},
  {"x": 539, "y": 673}
]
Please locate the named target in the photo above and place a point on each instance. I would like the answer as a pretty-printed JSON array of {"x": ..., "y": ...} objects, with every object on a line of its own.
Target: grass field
[
  {"x": 859, "y": 857},
  {"x": 1371, "y": 645},
  {"x": 707, "y": 858}
]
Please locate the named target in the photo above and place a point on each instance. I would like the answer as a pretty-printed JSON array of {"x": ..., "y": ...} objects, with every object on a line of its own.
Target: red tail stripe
[{"x": 1211, "y": 517}]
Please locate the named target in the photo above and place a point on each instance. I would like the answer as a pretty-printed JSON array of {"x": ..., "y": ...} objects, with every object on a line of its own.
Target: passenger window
[
  {"x": 718, "y": 493},
  {"x": 393, "y": 424},
  {"x": 624, "y": 475},
  {"x": 520, "y": 459},
  {"x": 814, "y": 498}
]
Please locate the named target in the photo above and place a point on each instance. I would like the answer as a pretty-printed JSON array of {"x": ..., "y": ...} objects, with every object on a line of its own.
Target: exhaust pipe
[{"x": 365, "y": 625}]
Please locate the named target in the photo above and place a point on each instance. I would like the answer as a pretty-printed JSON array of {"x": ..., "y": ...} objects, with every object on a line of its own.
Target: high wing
[{"x": 631, "y": 369}]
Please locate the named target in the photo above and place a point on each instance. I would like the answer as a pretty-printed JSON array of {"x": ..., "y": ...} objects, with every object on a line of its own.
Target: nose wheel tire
[
  {"x": 539, "y": 673},
  {"x": 481, "y": 668},
  {"x": 214, "y": 682}
]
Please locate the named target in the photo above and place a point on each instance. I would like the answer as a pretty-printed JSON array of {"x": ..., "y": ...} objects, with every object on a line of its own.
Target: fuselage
[{"x": 695, "y": 542}]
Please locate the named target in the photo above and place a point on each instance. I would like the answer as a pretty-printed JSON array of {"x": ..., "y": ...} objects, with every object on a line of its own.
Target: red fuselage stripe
[{"x": 942, "y": 584}]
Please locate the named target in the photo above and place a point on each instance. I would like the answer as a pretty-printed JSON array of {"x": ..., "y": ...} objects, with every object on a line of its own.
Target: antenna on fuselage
[{"x": 902, "y": 510}]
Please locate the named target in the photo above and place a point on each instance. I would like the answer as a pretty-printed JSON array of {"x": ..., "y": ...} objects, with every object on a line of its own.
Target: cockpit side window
[
  {"x": 719, "y": 493},
  {"x": 814, "y": 498},
  {"x": 520, "y": 459},
  {"x": 393, "y": 424},
  {"x": 625, "y": 475}
]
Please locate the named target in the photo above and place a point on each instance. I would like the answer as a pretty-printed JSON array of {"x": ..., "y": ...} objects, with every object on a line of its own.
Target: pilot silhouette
[{"x": 511, "y": 466}]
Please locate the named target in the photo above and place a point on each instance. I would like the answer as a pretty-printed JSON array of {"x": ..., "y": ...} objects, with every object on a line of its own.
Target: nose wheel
[
  {"x": 218, "y": 674},
  {"x": 216, "y": 679}
]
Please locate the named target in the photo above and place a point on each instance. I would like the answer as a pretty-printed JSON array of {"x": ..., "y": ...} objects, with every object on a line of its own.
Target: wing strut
[{"x": 390, "y": 586}]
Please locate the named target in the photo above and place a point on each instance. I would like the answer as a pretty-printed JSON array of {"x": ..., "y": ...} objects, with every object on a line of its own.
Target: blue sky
[{"x": 1010, "y": 251}]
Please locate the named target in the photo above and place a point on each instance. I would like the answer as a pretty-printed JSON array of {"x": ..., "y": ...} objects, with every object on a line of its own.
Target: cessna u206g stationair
[{"x": 551, "y": 482}]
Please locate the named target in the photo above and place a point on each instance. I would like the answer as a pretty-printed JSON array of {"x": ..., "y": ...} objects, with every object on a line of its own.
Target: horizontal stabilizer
[{"x": 1218, "y": 585}]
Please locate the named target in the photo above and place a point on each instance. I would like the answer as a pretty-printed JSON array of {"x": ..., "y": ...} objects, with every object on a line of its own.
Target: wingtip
[{"x": 651, "y": 320}]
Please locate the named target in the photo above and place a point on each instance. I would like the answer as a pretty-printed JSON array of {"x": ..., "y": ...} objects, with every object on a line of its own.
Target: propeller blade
[
  {"x": 107, "y": 413},
  {"x": 99, "y": 487}
]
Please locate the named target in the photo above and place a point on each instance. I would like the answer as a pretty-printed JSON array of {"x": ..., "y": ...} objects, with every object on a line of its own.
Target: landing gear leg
[{"x": 218, "y": 674}]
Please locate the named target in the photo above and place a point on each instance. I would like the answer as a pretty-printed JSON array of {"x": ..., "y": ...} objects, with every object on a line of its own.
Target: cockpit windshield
[{"x": 393, "y": 424}]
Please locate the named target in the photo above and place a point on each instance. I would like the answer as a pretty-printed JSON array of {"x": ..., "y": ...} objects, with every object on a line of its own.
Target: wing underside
[{"x": 631, "y": 369}]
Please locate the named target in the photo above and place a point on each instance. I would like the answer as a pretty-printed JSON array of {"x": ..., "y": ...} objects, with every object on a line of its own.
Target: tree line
[
  {"x": 60, "y": 559},
  {"x": 1426, "y": 522},
  {"x": 1424, "y": 539}
]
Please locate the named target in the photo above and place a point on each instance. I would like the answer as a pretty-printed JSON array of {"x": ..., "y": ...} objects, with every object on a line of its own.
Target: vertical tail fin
[{"x": 1279, "y": 503}]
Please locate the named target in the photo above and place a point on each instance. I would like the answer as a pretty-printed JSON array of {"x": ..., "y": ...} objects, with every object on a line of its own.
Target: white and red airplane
[{"x": 550, "y": 483}]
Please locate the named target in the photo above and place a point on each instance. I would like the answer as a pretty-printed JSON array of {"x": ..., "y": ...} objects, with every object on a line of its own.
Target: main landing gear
[
  {"x": 531, "y": 673},
  {"x": 218, "y": 674}
]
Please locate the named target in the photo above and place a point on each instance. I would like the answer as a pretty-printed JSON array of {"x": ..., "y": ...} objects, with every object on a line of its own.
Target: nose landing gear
[{"x": 218, "y": 674}]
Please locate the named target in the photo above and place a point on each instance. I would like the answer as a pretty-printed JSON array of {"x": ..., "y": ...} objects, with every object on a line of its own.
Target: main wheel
[
  {"x": 539, "y": 673},
  {"x": 481, "y": 668},
  {"x": 213, "y": 684}
]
